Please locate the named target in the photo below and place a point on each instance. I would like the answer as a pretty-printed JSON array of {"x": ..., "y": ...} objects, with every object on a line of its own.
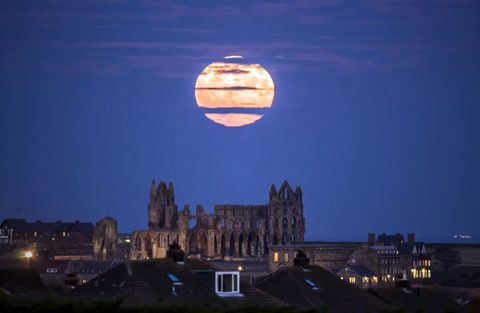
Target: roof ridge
[{"x": 269, "y": 276}]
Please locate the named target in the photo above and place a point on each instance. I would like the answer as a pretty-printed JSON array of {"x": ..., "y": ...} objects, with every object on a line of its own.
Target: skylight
[
  {"x": 310, "y": 283},
  {"x": 174, "y": 279}
]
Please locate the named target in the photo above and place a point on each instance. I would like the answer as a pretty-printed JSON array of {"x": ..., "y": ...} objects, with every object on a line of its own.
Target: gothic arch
[
  {"x": 223, "y": 246},
  {"x": 240, "y": 245},
  {"x": 215, "y": 244},
  {"x": 265, "y": 243},
  {"x": 232, "y": 245},
  {"x": 251, "y": 237},
  {"x": 192, "y": 244},
  {"x": 203, "y": 240}
]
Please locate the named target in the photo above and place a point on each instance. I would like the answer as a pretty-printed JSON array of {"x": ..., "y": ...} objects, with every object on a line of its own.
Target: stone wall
[
  {"x": 231, "y": 231},
  {"x": 105, "y": 237}
]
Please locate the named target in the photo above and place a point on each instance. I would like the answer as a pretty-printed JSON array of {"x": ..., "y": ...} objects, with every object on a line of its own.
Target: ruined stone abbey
[{"x": 231, "y": 231}]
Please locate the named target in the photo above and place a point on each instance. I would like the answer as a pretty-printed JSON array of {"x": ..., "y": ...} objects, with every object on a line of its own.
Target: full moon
[{"x": 233, "y": 92}]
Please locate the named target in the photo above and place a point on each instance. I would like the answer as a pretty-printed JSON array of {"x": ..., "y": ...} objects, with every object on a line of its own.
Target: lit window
[
  {"x": 423, "y": 273},
  {"x": 375, "y": 279},
  {"x": 275, "y": 257},
  {"x": 285, "y": 257},
  {"x": 227, "y": 284},
  {"x": 51, "y": 270},
  {"x": 64, "y": 234},
  {"x": 351, "y": 280},
  {"x": 364, "y": 279}
]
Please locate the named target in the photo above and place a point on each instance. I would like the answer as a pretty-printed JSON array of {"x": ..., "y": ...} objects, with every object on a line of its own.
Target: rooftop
[{"x": 316, "y": 288}]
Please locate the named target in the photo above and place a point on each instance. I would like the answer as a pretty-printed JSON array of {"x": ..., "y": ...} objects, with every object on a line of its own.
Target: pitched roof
[
  {"x": 390, "y": 239},
  {"x": 13, "y": 221},
  {"x": 22, "y": 282},
  {"x": 405, "y": 248},
  {"x": 42, "y": 227},
  {"x": 140, "y": 282},
  {"x": 42, "y": 265},
  {"x": 362, "y": 270},
  {"x": 91, "y": 266},
  {"x": 83, "y": 227},
  {"x": 408, "y": 248},
  {"x": 427, "y": 299},
  {"x": 50, "y": 227},
  {"x": 317, "y": 288}
]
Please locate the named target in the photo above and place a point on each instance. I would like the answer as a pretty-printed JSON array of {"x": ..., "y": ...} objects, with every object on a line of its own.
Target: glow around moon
[{"x": 233, "y": 85}]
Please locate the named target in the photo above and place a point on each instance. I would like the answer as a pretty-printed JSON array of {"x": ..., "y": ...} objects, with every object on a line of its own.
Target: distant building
[
  {"x": 390, "y": 240},
  {"x": 391, "y": 258},
  {"x": 416, "y": 260},
  {"x": 85, "y": 270},
  {"x": 328, "y": 255},
  {"x": 358, "y": 275},
  {"x": 384, "y": 261},
  {"x": 231, "y": 232},
  {"x": 6, "y": 230},
  {"x": 46, "y": 238}
]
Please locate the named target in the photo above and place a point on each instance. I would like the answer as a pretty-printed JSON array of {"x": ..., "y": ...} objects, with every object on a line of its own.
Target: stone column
[
  {"x": 260, "y": 244},
  {"x": 227, "y": 244},
  {"x": 154, "y": 248},
  {"x": 235, "y": 252},
  {"x": 182, "y": 238},
  {"x": 143, "y": 250},
  {"x": 211, "y": 243}
]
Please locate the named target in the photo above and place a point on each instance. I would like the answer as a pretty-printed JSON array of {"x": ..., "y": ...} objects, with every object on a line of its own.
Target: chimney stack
[
  {"x": 301, "y": 259},
  {"x": 411, "y": 238}
]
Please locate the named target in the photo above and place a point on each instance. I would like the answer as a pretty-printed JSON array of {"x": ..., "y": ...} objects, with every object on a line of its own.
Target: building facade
[
  {"x": 329, "y": 255},
  {"x": 48, "y": 238},
  {"x": 231, "y": 231}
]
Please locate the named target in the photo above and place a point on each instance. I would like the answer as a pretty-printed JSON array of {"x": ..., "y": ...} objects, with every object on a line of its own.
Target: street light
[{"x": 28, "y": 254}]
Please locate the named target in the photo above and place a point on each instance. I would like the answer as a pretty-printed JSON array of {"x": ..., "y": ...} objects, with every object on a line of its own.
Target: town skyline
[{"x": 374, "y": 112}]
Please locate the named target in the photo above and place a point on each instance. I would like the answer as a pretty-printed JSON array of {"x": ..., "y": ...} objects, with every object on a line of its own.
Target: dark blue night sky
[{"x": 376, "y": 111}]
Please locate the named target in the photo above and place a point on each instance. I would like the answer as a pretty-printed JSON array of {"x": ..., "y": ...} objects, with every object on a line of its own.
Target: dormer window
[{"x": 227, "y": 284}]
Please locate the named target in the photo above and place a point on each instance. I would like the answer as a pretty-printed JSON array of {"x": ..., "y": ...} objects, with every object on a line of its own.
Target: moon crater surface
[{"x": 233, "y": 93}]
